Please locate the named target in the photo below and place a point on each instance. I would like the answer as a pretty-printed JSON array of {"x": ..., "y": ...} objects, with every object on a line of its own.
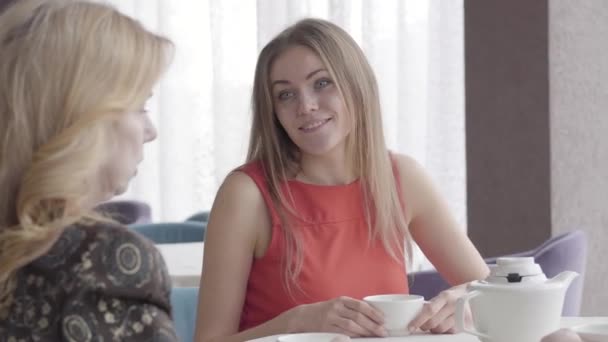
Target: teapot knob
[{"x": 516, "y": 270}]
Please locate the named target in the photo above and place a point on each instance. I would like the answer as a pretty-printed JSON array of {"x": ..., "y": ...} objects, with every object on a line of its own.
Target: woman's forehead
[{"x": 295, "y": 63}]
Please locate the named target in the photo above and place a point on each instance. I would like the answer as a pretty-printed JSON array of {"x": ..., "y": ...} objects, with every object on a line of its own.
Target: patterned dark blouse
[{"x": 97, "y": 283}]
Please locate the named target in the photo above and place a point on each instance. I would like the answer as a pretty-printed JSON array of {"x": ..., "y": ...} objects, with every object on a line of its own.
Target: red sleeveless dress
[{"x": 338, "y": 258}]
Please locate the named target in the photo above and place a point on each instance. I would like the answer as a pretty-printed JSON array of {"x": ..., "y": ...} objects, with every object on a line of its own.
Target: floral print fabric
[{"x": 97, "y": 283}]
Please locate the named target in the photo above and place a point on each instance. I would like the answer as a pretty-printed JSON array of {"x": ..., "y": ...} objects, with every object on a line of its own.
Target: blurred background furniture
[
  {"x": 184, "y": 262},
  {"x": 184, "y": 301},
  {"x": 172, "y": 232},
  {"x": 127, "y": 211},
  {"x": 564, "y": 252},
  {"x": 201, "y": 216}
]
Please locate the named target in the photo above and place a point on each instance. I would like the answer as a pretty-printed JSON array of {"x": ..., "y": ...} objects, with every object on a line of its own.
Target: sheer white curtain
[{"x": 201, "y": 107}]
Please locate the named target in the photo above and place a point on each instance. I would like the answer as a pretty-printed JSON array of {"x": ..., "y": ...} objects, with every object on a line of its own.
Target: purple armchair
[
  {"x": 564, "y": 252},
  {"x": 127, "y": 212}
]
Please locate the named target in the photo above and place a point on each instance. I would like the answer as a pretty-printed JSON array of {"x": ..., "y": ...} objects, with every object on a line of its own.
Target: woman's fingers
[
  {"x": 447, "y": 326},
  {"x": 349, "y": 327},
  {"x": 364, "y": 308},
  {"x": 437, "y": 316},
  {"x": 372, "y": 328},
  {"x": 364, "y": 316},
  {"x": 439, "y": 319},
  {"x": 429, "y": 310}
]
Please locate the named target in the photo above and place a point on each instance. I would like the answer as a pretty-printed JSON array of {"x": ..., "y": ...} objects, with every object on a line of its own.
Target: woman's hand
[
  {"x": 437, "y": 315},
  {"x": 562, "y": 335},
  {"x": 342, "y": 315}
]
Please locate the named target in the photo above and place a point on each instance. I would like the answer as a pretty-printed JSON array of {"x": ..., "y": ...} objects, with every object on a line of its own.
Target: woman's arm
[
  {"x": 447, "y": 246},
  {"x": 434, "y": 228},
  {"x": 237, "y": 218}
]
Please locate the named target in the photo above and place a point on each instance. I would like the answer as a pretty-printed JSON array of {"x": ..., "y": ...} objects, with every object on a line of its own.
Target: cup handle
[{"x": 459, "y": 315}]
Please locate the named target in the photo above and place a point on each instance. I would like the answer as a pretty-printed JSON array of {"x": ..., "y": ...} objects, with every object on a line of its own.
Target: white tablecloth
[
  {"x": 566, "y": 322},
  {"x": 184, "y": 262}
]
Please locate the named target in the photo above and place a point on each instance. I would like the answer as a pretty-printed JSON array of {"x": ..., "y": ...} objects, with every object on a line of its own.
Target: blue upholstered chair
[
  {"x": 564, "y": 252},
  {"x": 172, "y": 232},
  {"x": 184, "y": 301},
  {"x": 201, "y": 216}
]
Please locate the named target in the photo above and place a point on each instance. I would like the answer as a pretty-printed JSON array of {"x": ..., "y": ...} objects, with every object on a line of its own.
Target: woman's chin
[{"x": 319, "y": 150}]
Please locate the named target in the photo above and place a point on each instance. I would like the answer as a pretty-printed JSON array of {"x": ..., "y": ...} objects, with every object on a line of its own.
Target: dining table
[
  {"x": 184, "y": 262},
  {"x": 566, "y": 322}
]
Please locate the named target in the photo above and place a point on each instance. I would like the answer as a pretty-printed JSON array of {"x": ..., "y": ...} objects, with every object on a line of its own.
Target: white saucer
[
  {"x": 592, "y": 332},
  {"x": 314, "y": 337}
]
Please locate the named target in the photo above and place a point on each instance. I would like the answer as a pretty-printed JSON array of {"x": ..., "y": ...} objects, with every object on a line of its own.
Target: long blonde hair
[
  {"x": 366, "y": 148},
  {"x": 67, "y": 69}
]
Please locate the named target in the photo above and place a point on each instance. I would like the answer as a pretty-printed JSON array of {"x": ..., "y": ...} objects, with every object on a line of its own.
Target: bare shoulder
[
  {"x": 411, "y": 171},
  {"x": 416, "y": 184},
  {"x": 240, "y": 185},
  {"x": 238, "y": 195},
  {"x": 406, "y": 163},
  {"x": 239, "y": 210}
]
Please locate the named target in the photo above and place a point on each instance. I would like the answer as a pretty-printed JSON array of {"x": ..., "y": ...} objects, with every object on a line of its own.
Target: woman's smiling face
[{"x": 307, "y": 101}]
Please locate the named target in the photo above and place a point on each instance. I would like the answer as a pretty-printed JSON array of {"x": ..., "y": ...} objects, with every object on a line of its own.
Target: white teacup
[
  {"x": 592, "y": 332},
  {"x": 399, "y": 310}
]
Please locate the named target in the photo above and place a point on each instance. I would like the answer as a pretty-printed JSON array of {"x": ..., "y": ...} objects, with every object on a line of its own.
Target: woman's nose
[
  {"x": 308, "y": 104},
  {"x": 150, "y": 132}
]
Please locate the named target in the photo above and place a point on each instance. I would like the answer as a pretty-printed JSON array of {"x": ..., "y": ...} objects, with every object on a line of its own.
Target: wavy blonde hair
[
  {"x": 365, "y": 145},
  {"x": 67, "y": 70}
]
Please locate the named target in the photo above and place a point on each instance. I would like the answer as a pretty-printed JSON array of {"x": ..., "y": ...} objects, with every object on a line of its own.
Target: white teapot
[{"x": 515, "y": 303}]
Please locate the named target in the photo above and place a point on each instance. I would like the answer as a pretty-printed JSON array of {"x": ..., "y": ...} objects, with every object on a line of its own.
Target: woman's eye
[
  {"x": 322, "y": 83},
  {"x": 284, "y": 95}
]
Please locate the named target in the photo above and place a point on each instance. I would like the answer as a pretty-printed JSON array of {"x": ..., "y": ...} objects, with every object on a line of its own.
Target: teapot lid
[{"x": 516, "y": 270}]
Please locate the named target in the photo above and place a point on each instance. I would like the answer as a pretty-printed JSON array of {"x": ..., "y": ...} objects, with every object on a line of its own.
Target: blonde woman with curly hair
[
  {"x": 322, "y": 214},
  {"x": 74, "y": 79}
]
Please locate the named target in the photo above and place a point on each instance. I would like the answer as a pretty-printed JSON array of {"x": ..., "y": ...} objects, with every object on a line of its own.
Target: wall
[
  {"x": 537, "y": 128},
  {"x": 578, "y": 64},
  {"x": 507, "y": 123}
]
